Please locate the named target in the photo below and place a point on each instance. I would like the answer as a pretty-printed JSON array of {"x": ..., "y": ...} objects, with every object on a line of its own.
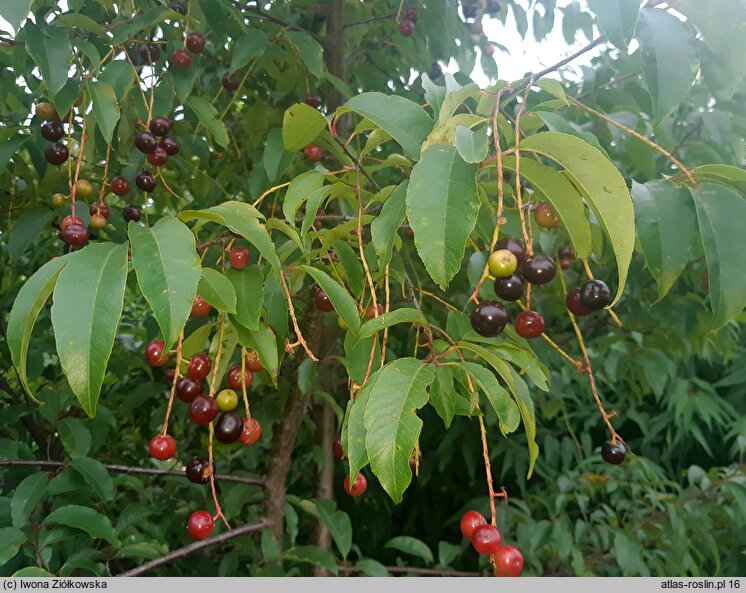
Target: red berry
[
  {"x": 323, "y": 302},
  {"x": 170, "y": 145},
  {"x": 230, "y": 81},
  {"x": 145, "y": 142},
  {"x": 158, "y": 157},
  {"x": 187, "y": 388},
  {"x": 572, "y": 300},
  {"x": 239, "y": 257},
  {"x": 486, "y": 539},
  {"x": 201, "y": 525},
  {"x": 74, "y": 234},
  {"x": 120, "y": 186},
  {"x": 470, "y": 521},
  {"x": 508, "y": 561},
  {"x": 99, "y": 208},
  {"x": 566, "y": 252},
  {"x": 411, "y": 14},
  {"x": 200, "y": 307},
  {"x": 71, "y": 219},
  {"x": 252, "y": 431},
  {"x": 358, "y": 486},
  {"x": 198, "y": 470},
  {"x": 162, "y": 447},
  {"x": 529, "y": 324},
  {"x": 229, "y": 428},
  {"x": 406, "y": 27},
  {"x": 313, "y": 99},
  {"x": 314, "y": 152},
  {"x": 252, "y": 361},
  {"x": 337, "y": 447},
  {"x": 169, "y": 374},
  {"x": 154, "y": 354},
  {"x": 160, "y": 126},
  {"x": 195, "y": 43},
  {"x": 565, "y": 264},
  {"x": 370, "y": 311},
  {"x": 53, "y": 131},
  {"x": 131, "y": 213},
  {"x": 544, "y": 214},
  {"x": 199, "y": 366},
  {"x": 181, "y": 58},
  {"x": 145, "y": 181},
  {"x": 203, "y": 410},
  {"x": 234, "y": 378}
]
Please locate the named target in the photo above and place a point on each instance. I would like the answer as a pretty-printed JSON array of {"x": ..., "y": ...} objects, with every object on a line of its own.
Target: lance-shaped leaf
[
  {"x": 300, "y": 126},
  {"x": 391, "y": 422},
  {"x": 442, "y": 207},
  {"x": 338, "y": 523},
  {"x": 721, "y": 213},
  {"x": 26, "y": 308},
  {"x": 217, "y": 290},
  {"x": 356, "y": 433},
  {"x": 263, "y": 341},
  {"x": 168, "y": 272},
  {"x": 403, "y": 315},
  {"x": 88, "y": 301},
  {"x": 105, "y": 108},
  {"x": 249, "y": 287},
  {"x": 87, "y": 519},
  {"x": 616, "y": 19},
  {"x": 343, "y": 303},
  {"x": 666, "y": 228},
  {"x": 404, "y": 120},
  {"x": 602, "y": 185},
  {"x": 385, "y": 226},
  {"x": 498, "y": 397}
]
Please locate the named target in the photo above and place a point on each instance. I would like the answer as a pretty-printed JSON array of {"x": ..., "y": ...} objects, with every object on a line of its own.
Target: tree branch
[
  {"x": 126, "y": 469},
  {"x": 193, "y": 547},
  {"x": 431, "y": 572},
  {"x": 258, "y": 12}
]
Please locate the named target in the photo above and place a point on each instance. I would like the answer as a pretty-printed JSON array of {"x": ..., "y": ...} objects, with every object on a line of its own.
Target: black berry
[
  {"x": 489, "y": 318},
  {"x": 539, "y": 269},
  {"x": 613, "y": 452},
  {"x": 594, "y": 295}
]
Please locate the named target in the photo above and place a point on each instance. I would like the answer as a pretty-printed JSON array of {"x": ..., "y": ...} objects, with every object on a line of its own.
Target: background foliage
[{"x": 673, "y": 374}]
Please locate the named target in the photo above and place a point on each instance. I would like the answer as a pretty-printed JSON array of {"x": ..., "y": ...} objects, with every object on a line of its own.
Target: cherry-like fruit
[
  {"x": 489, "y": 318},
  {"x": 323, "y": 302},
  {"x": 515, "y": 246},
  {"x": 120, "y": 186},
  {"x": 170, "y": 145},
  {"x": 100, "y": 208},
  {"x": 234, "y": 379},
  {"x": 97, "y": 222},
  {"x": 470, "y": 520},
  {"x": 53, "y": 131},
  {"x": 181, "y": 59},
  {"x": 239, "y": 257},
  {"x": 313, "y": 100},
  {"x": 46, "y": 111},
  {"x": 594, "y": 295},
  {"x": 508, "y": 561},
  {"x": 252, "y": 431},
  {"x": 510, "y": 288},
  {"x": 486, "y": 539},
  {"x": 492, "y": 7},
  {"x": 230, "y": 81},
  {"x": 227, "y": 400},
  {"x": 150, "y": 53},
  {"x": 162, "y": 447},
  {"x": 572, "y": 300},
  {"x": 529, "y": 324},
  {"x": 145, "y": 181},
  {"x": 75, "y": 235},
  {"x": 406, "y": 27},
  {"x": 198, "y": 470},
  {"x": 313, "y": 152},
  {"x": 613, "y": 452},
  {"x": 154, "y": 353},
  {"x": 470, "y": 9},
  {"x": 187, "y": 388},
  {"x": 131, "y": 213},
  {"x": 252, "y": 361},
  {"x": 195, "y": 43},
  {"x": 544, "y": 215},
  {"x": 158, "y": 157},
  {"x": 160, "y": 126},
  {"x": 358, "y": 487},
  {"x": 71, "y": 219},
  {"x": 56, "y": 153},
  {"x": 200, "y": 307},
  {"x": 200, "y": 525},
  {"x": 58, "y": 200},
  {"x": 411, "y": 14},
  {"x": 502, "y": 263},
  {"x": 539, "y": 269},
  {"x": 145, "y": 142},
  {"x": 199, "y": 366},
  {"x": 372, "y": 312},
  {"x": 337, "y": 447},
  {"x": 228, "y": 428},
  {"x": 203, "y": 410}
]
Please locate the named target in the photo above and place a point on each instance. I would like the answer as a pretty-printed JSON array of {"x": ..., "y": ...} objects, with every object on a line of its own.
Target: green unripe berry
[
  {"x": 58, "y": 200},
  {"x": 502, "y": 263},
  {"x": 227, "y": 400}
]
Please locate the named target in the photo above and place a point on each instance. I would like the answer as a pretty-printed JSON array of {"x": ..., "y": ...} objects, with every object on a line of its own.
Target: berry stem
[
  {"x": 237, "y": 92},
  {"x": 588, "y": 368},
  {"x": 159, "y": 175},
  {"x": 102, "y": 191},
  {"x": 361, "y": 246},
  {"x": 518, "y": 188},
  {"x": 218, "y": 510},
  {"x": 301, "y": 340},
  {"x": 137, "y": 75},
  {"x": 216, "y": 368},
  {"x": 386, "y": 310},
  {"x": 186, "y": 22},
  {"x": 83, "y": 137},
  {"x": 576, "y": 363},
  {"x": 243, "y": 382},
  {"x": 177, "y": 374},
  {"x": 589, "y": 273}
]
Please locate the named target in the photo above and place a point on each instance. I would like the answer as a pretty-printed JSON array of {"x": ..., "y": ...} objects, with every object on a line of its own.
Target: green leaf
[
  {"x": 249, "y": 288},
  {"x": 405, "y": 121},
  {"x": 300, "y": 188},
  {"x": 391, "y": 422},
  {"x": 564, "y": 198},
  {"x": 95, "y": 475},
  {"x": 312, "y": 555},
  {"x": 26, "y": 229},
  {"x": 403, "y": 315},
  {"x": 616, "y": 19},
  {"x": 454, "y": 99},
  {"x": 500, "y": 400},
  {"x": 667, "y": 229},
  {"x": 385, "y": 226},
  {"x": 309, "y": 50},
  {"x": 338, "y": 523},
  {"x": 721, "y": 213},
  {"x": 88, "y": 301},
  {"x": 32, "y": 571},
  {"x": 75, "y": 437},
  {"x": 195, "y": 343},
  {"x": 734, "y": 177},
  {"x": 263, "y": 340},
  {"x": 372, "y": 568},
  {"x": 276, "y": 159},
  {"x": 118, "y": 75},
  {"x": 15, "y": 11},
  {"x": 105, "y": 108},
  {"x": 442, "y": 208},
  {"x": 472, "y": 145},
  {"x": 52, "y": 53},
  {"x": 343, "y": 303},
  {"x": 73, "y": 20},
  {"x": 78, "y": 517},
  {"x": 411, "y": 546},
  {"x": 247, "y": 47},
  {"x": 629, "y": 555},
  {"x": 11, "y": 540},
  {"x": 300, "y": 126},
  {"x": 721, "y": 25},
  {"x": 168, "y": 271},
  {"x": 208, "y": 117},
  {"x": 355, "y": 433},
  {"x": 554, "y": 88},
  {"x": 26, "y": 496},
  {"x": 443, "y": 394},
  {"x": 670, "y": 59},
  {"x": 604, "y": 189},
  {"x": 217, "y": 290}
]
